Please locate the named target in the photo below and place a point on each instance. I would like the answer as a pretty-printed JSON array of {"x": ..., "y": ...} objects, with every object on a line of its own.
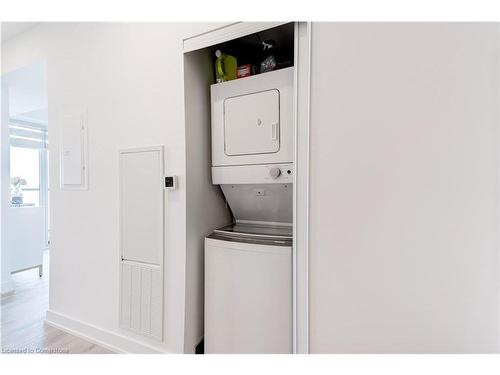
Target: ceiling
[{"x": 11, "y": 29}]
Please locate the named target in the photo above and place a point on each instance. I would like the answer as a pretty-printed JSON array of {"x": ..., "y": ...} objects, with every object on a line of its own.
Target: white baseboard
[{"x": 107, "y": 339}]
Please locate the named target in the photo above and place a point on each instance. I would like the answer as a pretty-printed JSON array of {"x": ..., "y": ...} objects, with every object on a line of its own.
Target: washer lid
[
  {"x": 283, "y": 242},
  {"x": 256, "y": 230}
]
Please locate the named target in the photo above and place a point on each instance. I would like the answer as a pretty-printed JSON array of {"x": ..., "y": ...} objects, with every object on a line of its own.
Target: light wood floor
[{"x": 22, "y": 319}]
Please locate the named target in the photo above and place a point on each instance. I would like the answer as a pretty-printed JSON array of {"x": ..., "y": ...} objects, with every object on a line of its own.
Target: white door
[
  {"x": 251, "y": 123},
  {"x": 403, "y": 207},
  {"x": 141, "y": 205},
  {"x": 141, "y": 240}
]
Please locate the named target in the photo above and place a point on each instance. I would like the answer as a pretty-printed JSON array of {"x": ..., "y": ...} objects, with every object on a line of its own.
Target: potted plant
[{"x": 16, "y": 195}]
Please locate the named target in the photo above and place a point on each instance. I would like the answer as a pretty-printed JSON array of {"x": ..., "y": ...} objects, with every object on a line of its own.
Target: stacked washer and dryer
[{"x": 248, "y": 264}]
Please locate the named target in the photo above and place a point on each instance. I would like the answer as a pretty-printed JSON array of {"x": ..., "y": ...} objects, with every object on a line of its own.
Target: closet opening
[{"x": 239, "y": 112}]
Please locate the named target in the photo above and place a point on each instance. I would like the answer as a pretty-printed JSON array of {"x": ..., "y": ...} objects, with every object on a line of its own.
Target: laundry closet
[{"x": 240, "y": 139}]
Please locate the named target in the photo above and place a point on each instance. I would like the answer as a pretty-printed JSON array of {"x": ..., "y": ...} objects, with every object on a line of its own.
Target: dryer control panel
[{"x": 253, "y": 174}]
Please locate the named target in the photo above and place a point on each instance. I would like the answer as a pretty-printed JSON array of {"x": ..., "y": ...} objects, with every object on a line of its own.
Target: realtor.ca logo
[{"x": 35, "y": 351}]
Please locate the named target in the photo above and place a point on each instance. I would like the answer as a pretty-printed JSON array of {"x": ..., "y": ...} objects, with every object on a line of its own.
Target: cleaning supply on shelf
[
  {"x": 243, "y": 70},
  {"x": 225, "y": 67},
  {"x": 269, "y": 63}
]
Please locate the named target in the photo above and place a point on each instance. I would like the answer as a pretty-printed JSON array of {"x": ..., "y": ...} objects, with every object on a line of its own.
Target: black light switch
[{"x": 170, "y": 182}]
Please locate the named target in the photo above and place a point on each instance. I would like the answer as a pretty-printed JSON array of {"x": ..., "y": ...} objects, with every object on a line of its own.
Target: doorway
[{"x": 26, "y": 187}]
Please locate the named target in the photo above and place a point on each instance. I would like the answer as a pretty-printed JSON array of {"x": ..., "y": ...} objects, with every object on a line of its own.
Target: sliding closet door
[
  {"x": 403, "y": 189},
  {"x": 141, "y": 240}
]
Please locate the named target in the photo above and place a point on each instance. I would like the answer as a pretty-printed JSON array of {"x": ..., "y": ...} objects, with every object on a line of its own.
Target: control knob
[{"x": 274, "y": 172}]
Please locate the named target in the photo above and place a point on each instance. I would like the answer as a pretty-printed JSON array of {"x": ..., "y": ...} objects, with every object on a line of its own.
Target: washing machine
[
  {"x": 248, "y": 264},
  {"x": 248, "y": 289}
]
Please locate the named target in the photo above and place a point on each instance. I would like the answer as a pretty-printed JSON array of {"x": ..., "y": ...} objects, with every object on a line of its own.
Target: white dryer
[
  {"x": 252, "y": 120},
  {"x": 252, "y": 145}
]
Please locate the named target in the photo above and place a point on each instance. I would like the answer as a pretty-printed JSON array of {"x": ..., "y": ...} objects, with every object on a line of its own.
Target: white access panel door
[
  {"x": 141, "y": 241},
  {"x": 251, "y": 123},
  {"x": 141, "y": 205},
  {"x": 248, "y": 298}
]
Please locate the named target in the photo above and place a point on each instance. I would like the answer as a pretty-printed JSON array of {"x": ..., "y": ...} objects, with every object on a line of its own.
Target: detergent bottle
[{"x": 225, "y": 67}]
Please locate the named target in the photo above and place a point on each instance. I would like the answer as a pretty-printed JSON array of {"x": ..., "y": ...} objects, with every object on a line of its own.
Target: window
[
  {"x": 26, "y": 143},
  {"x": 25, "y": 177}
]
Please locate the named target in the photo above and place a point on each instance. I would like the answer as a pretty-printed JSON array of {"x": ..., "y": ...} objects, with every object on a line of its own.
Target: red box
[{"x": 243, "y": 71}]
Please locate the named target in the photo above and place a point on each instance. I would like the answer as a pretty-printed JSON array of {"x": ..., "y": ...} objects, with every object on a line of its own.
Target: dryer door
[{"x": 251, "y": 123}]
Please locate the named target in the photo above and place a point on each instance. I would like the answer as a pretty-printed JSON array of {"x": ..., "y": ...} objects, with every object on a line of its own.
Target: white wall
[
  {"x": 206, "y": 209},
  {"x": 404, "y": 191},
  {"x": 27, "y": 89},
  {"x": 130, "y": 78},
  {"x": 404, "y": 195}
]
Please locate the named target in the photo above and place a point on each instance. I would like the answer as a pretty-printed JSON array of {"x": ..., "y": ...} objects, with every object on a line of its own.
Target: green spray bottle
[{"x": 225, "y": 67}]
